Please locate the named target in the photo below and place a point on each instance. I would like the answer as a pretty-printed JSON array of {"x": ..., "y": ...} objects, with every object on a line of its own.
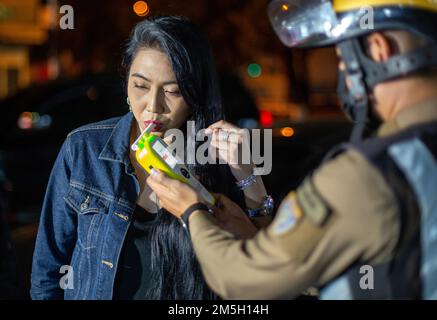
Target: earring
[{"x": 128, "y": 102}]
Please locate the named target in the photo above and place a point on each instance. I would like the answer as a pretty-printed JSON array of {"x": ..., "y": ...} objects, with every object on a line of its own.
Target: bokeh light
[
  {"x": 141, "y": 8},
  {"x": 287, "y": 132},
  {"x": 266, "y": 118},
  {"x": 254, "y": 70}
]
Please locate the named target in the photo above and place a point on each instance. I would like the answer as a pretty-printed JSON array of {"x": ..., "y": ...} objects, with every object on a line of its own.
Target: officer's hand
[
  {"x": 232, "y": 218},
  {"x": 173, "y": 195}
]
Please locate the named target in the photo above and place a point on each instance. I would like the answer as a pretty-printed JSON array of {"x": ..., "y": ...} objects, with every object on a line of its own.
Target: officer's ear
[{"x": 380, "y": 47}]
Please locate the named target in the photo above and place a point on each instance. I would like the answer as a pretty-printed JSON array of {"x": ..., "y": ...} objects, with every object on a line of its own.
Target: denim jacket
[{"x": 87, "y": 210}]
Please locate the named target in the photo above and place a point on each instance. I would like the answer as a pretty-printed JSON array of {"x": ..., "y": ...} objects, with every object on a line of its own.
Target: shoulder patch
[
  {"x": 288, "y": 215},
  {"x": 314, "y": 207}
]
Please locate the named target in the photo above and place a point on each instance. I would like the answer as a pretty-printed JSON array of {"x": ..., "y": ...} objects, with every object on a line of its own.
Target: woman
[{"x": 99, "y": 218}]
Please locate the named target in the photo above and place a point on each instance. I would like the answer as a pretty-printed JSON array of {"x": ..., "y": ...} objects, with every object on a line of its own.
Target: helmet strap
[
  {"x": 399, "y": 65},
  {"x": 355, "y": 98}
]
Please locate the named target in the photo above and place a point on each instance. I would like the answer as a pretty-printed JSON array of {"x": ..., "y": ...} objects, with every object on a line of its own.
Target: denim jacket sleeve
[{"x": 57, "y": 232}]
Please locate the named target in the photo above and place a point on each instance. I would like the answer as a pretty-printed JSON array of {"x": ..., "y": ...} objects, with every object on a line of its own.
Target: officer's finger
[
  {"x": 172, "y": 185},
  {"x": 160, "y": 191},
  {"x": 158, "y": 176},
  {"x": 232, "y": 209},
  {"x": 218, "y": 215},
  {"x": 157, "y": 186},
  {"x": 217, "y": 197},
  {"x": 223, "y": 202},
  {"x": 170, "y": 138},
  {"x": 224, "y": 199}
]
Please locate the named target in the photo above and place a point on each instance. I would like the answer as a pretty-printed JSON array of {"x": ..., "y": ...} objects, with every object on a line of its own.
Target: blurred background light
[
  {"x": 247, "y": 123},
  {"x": 254, "y": 70},
  {"x": 25, "y": 121},
  {"x": 266, "y": 118},
  {"x": 287, "y": 132},
  {"x": 33, "y": 120},
  {"x": 92, "y": 94},
  {"x": 141, "y": 8}
]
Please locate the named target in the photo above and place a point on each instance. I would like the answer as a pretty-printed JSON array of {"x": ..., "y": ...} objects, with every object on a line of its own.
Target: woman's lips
[{"x": 158, "y": 124}]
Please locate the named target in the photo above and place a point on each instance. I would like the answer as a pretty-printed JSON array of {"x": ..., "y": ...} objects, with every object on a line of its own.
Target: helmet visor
[{"x": 301, "y": 23}]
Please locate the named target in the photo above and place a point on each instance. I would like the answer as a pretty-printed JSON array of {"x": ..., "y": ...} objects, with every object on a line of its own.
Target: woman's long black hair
[{"x": 176, "y": 273}]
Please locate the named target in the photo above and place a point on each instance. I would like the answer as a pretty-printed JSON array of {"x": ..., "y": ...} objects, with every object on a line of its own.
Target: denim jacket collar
[{"x": 117, "y": 147}]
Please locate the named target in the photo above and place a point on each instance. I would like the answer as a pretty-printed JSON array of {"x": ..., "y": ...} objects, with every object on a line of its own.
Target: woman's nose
[{"x": 154, "y": 102}]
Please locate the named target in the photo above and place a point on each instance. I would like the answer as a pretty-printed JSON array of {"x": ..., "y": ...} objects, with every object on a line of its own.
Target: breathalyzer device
[{"x": 152, "y": 152}]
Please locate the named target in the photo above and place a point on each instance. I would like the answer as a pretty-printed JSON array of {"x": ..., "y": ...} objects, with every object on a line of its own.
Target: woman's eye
[
  {"x": 175, "y": 93},
  {"x": 141, "y": 87}
]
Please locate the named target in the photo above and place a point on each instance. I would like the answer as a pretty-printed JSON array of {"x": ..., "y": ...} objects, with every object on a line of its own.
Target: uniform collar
[
  {"x": 117, "y": 145},
  {"x": 421, "y": 113}
]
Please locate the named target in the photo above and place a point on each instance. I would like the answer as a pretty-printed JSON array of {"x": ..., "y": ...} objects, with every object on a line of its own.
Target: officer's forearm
[{"x": 237, "y": 269}]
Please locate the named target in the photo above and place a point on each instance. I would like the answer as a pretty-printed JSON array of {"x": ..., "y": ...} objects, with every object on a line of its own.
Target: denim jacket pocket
[{"x": 91, "y": 210}]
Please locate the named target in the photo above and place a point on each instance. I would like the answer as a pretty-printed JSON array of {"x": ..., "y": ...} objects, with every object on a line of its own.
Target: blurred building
[
  {"x": 23, "y": 24},
  {"x": 270, "y": 83}
]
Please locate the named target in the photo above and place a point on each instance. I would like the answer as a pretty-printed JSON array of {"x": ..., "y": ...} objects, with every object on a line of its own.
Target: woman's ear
[{"x": 379, "y": 47}]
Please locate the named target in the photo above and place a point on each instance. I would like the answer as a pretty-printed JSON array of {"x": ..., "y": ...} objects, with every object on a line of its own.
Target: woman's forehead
[{"x": 153, "y": 65}]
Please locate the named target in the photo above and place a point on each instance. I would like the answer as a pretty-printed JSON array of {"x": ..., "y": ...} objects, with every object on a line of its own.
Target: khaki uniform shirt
[{"x": 344, "y": 213}]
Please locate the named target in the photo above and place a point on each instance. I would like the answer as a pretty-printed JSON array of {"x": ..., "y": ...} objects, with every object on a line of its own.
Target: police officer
[{"x": 370, "y": 210}]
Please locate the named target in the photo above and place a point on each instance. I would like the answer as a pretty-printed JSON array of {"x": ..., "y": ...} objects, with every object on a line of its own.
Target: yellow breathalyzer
[{"x": 152, "y": 152}]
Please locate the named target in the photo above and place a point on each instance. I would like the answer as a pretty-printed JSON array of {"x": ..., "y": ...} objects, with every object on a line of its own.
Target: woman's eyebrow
[
  {"x": 141, "y": 76},
  {"x": 138, "y": 75}
]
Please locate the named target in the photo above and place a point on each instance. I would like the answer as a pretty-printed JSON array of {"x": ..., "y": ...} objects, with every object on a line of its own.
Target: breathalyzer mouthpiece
[{"x": 145, "y": 133}]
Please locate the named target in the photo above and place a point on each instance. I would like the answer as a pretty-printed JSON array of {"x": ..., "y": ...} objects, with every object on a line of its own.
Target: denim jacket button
[
  {"x": 107, "y": 263},
  {"x": 84, "y": 205},
  {"x": 122, "y": 216}
]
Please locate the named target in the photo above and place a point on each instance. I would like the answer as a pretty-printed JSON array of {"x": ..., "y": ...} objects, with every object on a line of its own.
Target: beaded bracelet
[{"x": 247, "y": 182}]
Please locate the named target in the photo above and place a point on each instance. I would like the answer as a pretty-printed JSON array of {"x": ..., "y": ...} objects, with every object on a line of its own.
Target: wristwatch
[
  {"x": 187, "y": 213},
  {"x": 266, "y": 208}
]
